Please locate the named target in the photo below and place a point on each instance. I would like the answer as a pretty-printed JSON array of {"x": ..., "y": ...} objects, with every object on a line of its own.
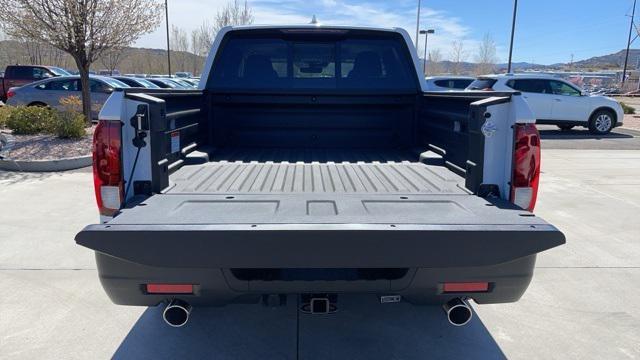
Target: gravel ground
[
  {"x": 48, "y": 147},
  {"x": 632, "y": 122}
]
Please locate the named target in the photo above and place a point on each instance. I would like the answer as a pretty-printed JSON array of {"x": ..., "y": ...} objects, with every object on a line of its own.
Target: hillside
[
  {"x": 610, "y": 61},
  {"x": 154, "y": 61},
  {"x": 132, "y": 60}
]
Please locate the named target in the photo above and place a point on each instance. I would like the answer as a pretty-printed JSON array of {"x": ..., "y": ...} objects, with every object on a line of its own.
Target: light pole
[
  {"x": 426, "y": 40},
  {"x": 166, "y": 14},
  {"x": 418, "y": 24},
  {"x": 513, "y": 30}
]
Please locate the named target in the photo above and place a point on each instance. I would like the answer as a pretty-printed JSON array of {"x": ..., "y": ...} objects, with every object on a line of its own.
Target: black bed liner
[
  {"x": 249, "y": 214},
  {"x": 315, "y": 177}
]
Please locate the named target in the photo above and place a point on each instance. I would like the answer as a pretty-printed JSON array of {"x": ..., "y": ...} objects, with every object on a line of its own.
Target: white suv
[{"x": 558, "y": 102}]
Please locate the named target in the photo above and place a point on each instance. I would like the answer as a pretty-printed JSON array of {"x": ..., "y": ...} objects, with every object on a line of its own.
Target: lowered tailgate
[{"x": 321, "y": 230}]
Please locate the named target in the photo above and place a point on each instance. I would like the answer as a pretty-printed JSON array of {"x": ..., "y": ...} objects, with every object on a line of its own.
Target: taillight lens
[
  {"x": 455, "y": 287},
  {"x": 526, "y": 166},
  {"x": 107, "y": 166},
  {"x": 169, "y": 289},
  {"x": 10, "y": 93}
]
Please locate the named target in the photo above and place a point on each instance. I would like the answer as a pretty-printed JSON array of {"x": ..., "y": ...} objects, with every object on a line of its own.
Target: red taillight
[
  {"x": 10, "y": 93},
  {"x": 456, "y": 287},
  {"x": 169, "y": 289},
  {"x": 107, "y": 166},
  {"x": 526, "y": 166}
]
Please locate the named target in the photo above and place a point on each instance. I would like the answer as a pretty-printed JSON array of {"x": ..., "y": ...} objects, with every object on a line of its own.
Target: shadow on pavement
[
  {"x": 580, "y": 135},
  {"x": 14, "y": 177},
  {"x": 362, "y": 329}
]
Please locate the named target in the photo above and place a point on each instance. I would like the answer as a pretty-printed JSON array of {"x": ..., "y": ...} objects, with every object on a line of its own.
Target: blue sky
[{"x": 548, "y": 31}]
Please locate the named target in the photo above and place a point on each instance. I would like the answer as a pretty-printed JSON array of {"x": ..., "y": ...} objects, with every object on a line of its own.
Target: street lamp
[
  {"x": 166, "y": 14},
  {"x": 426, "y": 39}
]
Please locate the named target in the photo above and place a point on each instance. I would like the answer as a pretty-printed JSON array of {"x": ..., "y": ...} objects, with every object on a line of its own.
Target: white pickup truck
[{"x": 312, "y": 162}]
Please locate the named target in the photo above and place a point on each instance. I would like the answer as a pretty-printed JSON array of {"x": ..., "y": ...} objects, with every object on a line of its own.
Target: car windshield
[
  {"x": 115, "y": 83},
  {"x": 59, "y": 71},
  {"x": 146, "y": 83}
]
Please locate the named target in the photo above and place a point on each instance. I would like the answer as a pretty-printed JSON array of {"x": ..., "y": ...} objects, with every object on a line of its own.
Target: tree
[
  {"x": 201, "y": 41},
  {"x": 457, "y": 55},
  {"x": 234, "y": 13},
  {"x": 179, "y": 46},
  {"x": 110, "y": 59},
  {"x": 434, "y": 66},
  {"x": 486, "y": 58},
  {"x": 85, "y": 29}
]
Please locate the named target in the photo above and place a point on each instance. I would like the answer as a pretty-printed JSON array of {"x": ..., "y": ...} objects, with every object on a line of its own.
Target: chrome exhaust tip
[
  {"x": 176, "y": 314},
  {"x": 458, "y": 312}
]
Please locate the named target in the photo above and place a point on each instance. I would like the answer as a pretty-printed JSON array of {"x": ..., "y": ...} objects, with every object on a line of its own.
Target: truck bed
[
  {"x": 301, "y": 187},
  {"x": 308, "y": 171}
]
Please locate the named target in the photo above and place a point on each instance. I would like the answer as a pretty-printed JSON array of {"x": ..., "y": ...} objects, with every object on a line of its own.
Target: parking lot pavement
[
  {"x": 581, "y": 303},
  {"x": 580, "y": 138}
]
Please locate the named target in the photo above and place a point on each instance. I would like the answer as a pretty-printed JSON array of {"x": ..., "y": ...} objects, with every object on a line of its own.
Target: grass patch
[{"x": 627, "y": 109}]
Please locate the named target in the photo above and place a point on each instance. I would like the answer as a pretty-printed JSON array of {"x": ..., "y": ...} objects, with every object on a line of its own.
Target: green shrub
[
  {"x": 69, "y": 124},
  {"x": 4, "y": 113},
  {"x": 43, "y": 120},
  {"x": 627, "y": 109},
  {"x": 31, "y": 120}
]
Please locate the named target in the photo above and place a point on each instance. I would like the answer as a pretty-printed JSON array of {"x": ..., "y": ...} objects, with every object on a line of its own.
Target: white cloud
[{"x": 189, "y": 14}]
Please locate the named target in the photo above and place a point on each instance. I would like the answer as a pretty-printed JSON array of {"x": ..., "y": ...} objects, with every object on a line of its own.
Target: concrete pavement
[{"x": 580, "y": 305}]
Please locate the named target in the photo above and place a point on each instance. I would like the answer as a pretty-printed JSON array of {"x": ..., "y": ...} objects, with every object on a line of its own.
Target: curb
[
  {"x": 46, "y": 165},
  {"x": 39, "y": 165}
]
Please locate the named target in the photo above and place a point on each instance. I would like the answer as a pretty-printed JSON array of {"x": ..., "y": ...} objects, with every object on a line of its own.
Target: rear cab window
[
  {"x": 482, "y": 84},
  {"x": 313, "y": 60}
]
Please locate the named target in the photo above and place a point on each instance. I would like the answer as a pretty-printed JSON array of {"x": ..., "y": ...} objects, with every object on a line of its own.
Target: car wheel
[
  {"x": 601, "y": 122},
  {"x": 38, "y": 104},
  {"x": 565, "y": 127}
]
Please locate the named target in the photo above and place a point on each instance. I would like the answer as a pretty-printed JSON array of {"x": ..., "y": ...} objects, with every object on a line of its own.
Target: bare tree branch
[{"x": 85, "y": 29}]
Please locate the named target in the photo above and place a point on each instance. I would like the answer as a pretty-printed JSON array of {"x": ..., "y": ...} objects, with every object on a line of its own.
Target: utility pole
[
  {"x": 571, "y": 63},
  {"x": 513, "y": 30},
  {"x": 418, "y": 24},
  {"x": 426, "y": 40},
  {"x": 166, "y": 14},
  {"x": 626, "y": 57}
]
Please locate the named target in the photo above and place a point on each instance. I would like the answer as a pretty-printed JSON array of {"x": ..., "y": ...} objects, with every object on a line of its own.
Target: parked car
[
  {"x": 49, "y": 92},
  {"x": 167, "y": 83},
  {"x": 184, "y": 82},
  {"x": 105, "y": 72},
  {"x": 184, "y": 74},
  {"x": 193, "y": 81},
  {"x": 18, "y": 75},
  {"x": 314, "y": 163},
  {"x": 448, "y": 83},
  {"x": 558, "y": 102},
  {"x": 136, "y": 82}
]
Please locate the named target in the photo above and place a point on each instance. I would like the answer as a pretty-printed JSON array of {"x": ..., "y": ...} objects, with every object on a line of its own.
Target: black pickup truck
[{"x": 312, "y": 162}]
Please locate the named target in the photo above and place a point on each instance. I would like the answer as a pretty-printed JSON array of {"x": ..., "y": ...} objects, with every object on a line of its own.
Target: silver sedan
[{"x": 51, "y": 92}]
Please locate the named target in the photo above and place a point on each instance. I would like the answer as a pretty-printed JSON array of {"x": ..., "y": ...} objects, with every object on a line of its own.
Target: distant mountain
[{"x": 611, "y": 61}]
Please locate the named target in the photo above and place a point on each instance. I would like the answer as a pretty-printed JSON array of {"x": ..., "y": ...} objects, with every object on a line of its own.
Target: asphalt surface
[
  {"x": 581, "y": 303},
  {"x": 580, "y": 138}
]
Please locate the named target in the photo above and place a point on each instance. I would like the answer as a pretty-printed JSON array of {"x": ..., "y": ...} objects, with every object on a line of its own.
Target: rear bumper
[
  {"x": 130, "y": 256},
  {"x": 124, "y": 282}
]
